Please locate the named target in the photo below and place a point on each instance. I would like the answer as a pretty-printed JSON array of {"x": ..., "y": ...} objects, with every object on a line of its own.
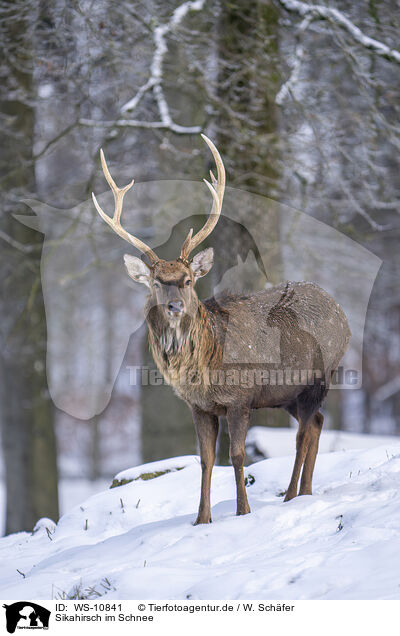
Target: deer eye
[
  {"x": 188, "y": 282},
  {"x": 156, "y": 285}
]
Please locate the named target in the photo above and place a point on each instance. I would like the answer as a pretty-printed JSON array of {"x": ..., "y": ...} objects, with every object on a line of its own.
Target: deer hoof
[
  {"x": 202, "y": 520},
  {"x": 305, "y": 491},
  {"x": 290, "y": 495},
  {"x": 243, "y": 511}
]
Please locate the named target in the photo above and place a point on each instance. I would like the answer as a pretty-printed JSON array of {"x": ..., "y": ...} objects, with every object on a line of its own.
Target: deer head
[{"x": 171, "y": 283}]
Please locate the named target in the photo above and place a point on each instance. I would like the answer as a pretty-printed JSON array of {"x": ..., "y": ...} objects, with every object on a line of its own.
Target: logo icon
[{"x": 26, "y": 615}]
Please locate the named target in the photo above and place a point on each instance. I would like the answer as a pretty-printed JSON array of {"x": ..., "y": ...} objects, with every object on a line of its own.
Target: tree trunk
[
  {"x": 27, "y": 420},
  {"x": 249, "y": 31}
]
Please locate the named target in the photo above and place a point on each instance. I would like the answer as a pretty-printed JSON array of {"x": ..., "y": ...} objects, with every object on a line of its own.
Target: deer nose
[{"x": 175, "y": 306}]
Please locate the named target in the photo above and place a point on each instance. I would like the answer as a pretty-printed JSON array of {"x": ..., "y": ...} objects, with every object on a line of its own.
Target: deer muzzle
[{"x": 175, "y": 308}]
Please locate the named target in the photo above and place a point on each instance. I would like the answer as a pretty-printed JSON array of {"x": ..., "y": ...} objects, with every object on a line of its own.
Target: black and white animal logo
[{"x": 26, "y": 615}]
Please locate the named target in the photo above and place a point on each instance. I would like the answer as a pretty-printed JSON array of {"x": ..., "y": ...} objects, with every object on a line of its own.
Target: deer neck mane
[{"x": 182, "y": 348}]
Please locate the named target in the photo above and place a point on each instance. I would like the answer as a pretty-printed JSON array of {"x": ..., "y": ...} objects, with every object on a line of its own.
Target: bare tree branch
[
  {"x": 319, "y": 12},
  {"x": 155, "y": 81},
  {"x": 288, "y": 86},
  {"x": 26, "y": 249},
  {"x": 137, "y": 123}
]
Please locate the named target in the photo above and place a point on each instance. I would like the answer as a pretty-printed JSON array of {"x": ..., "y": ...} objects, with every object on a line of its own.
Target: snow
[
  {"x": 70, "y": 491},
  {"x": 45, "y": 90},
  {"x": 164, "y": 465},
  {"x": 137, "y": 541},
  {"x": 334, "y": 15},
  {"x": 264, "y": 442},
  {"x": 155, "y": 81}
]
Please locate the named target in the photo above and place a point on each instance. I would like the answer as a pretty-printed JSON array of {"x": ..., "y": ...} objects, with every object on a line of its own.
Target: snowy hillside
[
  {"x": 263, "y": 442},
  {"x": 137, "y": 541}
]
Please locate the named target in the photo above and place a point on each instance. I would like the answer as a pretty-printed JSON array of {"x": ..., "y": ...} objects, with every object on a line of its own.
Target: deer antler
[
  {"x": 217, "y": 188},
  {"x": 115, "y": 221}
]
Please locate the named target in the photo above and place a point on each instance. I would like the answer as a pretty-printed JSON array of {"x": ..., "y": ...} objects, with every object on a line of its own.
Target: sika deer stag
[{"x": 297, "y": 335}]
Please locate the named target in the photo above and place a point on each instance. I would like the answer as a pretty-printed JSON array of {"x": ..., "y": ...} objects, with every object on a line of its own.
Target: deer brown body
[{"x": 228, "y": 355}]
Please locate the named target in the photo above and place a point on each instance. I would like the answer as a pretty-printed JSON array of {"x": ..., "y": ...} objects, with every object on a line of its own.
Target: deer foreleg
[
  {"x": 238, "y": 423},
  {"x": 207, "y": 431}
]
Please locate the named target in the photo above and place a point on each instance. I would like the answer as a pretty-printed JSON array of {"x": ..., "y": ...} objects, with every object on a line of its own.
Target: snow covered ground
[
  {"x": 263, "y": 442},
  {"x": 137, "y": 541},
  {"x": 70, "y": 492}
]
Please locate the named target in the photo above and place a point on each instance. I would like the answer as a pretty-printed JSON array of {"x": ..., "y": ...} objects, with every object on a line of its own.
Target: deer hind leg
[
  {"x": 207, "y": 431},
  {"x": 238, "y": 424},
  {"x": 309, "y": 463},
  {"x": 302, "y": 445},
  {"x": 310, "y": 424}
]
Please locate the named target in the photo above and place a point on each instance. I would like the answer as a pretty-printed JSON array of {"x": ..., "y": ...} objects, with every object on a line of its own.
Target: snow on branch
[
  {"x": 22, "y": 247},
  {"x": 319, "y": 12},
  {"x": 388, "y": 390},
  {"x": 155, "y": 81},
  {"x": 287, "y": 87},
  {"x": 138, "y": 123}
]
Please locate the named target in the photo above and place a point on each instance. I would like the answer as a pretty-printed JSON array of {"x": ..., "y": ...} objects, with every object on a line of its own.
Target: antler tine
[
  {"x": 115, "y": 221},
  {"x": 217, "y": 189}
]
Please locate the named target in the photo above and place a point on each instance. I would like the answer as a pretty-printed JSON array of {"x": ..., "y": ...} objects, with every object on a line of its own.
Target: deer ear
[
  {"x": 137, "y": 269},
  {"x": 202, "y": 263}
]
